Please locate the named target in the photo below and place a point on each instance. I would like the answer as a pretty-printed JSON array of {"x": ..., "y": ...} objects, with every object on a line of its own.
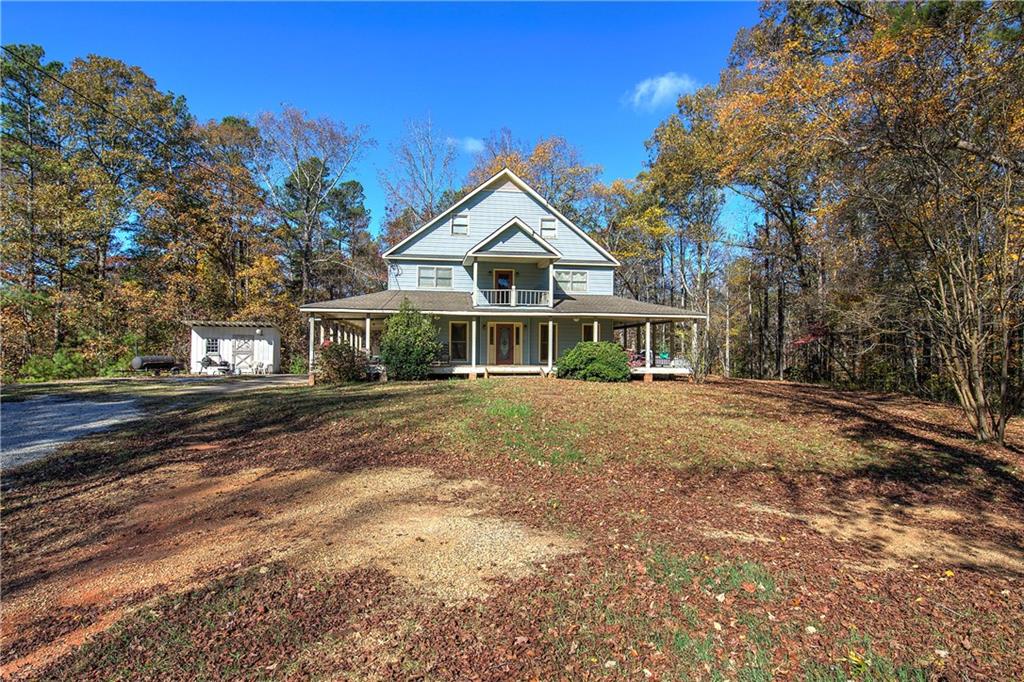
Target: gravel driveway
[{"x": 32, "y": 429}]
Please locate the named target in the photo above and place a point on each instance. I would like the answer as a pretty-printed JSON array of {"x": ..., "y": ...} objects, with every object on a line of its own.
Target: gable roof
[
  {"x": 506, "y": 174},
  {"x": 514, "y": 224}
]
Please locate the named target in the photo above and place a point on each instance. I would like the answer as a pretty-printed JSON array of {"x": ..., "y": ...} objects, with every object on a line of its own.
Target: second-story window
[
  {"x": 460, "y": 223},
  {"x": 433, "y": 277},
  {"x": 572, "y": 280},
  {"x": 548, "y": 228}
]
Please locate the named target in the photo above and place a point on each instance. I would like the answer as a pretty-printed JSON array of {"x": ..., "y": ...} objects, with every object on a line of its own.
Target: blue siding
[
  {"x": 488, "y": 211},
  {"x": 599, "y": 280},
  {"x": 403, "y": 275},
  {"x": 569, "y": 334},
  {"x": 513, "y": 241}
]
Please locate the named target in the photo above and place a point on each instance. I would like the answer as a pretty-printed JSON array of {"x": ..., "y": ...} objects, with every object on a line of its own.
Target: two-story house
[{"x": 510, "y": 282}]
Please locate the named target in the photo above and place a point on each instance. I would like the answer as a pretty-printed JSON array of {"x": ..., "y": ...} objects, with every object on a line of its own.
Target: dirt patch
[
  {"x": 735, "y": 535},
  {"x": 887, "y": 531},
  {"x": 426, "y": 530}
]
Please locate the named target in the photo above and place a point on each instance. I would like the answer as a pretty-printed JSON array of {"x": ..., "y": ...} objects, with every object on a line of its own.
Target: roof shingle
[{"x": 461, "y": 302}]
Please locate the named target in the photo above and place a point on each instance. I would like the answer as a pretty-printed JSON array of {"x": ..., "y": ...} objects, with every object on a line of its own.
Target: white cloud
[
  {"x": 653, "y": 92},
  {"x": 469, "y": 145}
]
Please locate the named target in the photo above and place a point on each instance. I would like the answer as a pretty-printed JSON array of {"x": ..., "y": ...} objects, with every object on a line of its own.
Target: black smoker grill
[{"x": 155, "y": 363}]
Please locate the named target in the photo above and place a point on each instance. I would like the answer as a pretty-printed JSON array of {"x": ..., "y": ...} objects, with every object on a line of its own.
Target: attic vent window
[
  {"x": 460, "y": 224},
  {"x": 548, "y": 228}
]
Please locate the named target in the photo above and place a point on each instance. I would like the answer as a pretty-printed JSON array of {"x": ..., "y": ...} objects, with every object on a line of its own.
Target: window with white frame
[
  {"x": 458, "y": 341},
  {"x": 572, "y": 280},
  {"x": 434, "y": 277},
  {"x": 460, "y": 223},
  {"x": 212, "y": 346},
  {"x": 548, "y": 228}
]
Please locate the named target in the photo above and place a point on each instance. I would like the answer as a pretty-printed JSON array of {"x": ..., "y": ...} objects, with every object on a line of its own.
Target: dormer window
[
  {"x": 548, "y": 228},
  {"x": 460, "y": 224}
]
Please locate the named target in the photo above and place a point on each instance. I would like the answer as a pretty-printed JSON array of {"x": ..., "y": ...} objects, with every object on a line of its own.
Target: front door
[
  {"x": 504, "y": 344},
  {"x": 504, "y": 279}
]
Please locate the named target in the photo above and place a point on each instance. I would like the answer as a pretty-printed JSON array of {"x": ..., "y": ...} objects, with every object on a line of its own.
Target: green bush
[
  {"x": 298, "y": 365},
  {"x": 409, "y": 344},
  {"x": 594, "y": 361},
  {"x": 340, "y": 363},
  {"x": 64, "y": 364}
]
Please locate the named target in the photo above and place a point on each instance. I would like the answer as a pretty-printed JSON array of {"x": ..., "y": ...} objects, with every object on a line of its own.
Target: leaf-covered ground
[{"x": 520, "y": 529}]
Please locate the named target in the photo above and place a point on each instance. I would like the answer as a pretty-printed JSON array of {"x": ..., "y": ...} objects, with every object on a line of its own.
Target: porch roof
[{"x": 460, "y": 302}]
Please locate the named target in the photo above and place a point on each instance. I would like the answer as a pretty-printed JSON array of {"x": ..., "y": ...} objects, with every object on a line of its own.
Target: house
[
  {"x": 510, "y": 282},
  {"x": 219, "y": 346}
]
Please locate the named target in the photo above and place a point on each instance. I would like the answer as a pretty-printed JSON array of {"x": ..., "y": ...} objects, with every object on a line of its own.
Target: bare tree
[
  {"x": 422, "y": 173},
  {"x": 302, "y": 161}
]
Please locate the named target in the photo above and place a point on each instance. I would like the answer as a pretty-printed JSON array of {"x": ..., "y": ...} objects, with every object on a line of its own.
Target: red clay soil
[{"x": 828, "y": 531}]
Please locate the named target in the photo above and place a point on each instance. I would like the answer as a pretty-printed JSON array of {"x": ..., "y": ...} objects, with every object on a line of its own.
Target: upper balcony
[{"x": 513, "y": 298}]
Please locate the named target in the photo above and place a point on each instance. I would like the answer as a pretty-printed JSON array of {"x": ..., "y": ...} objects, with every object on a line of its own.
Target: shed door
[{"x": 242, "y": 352}]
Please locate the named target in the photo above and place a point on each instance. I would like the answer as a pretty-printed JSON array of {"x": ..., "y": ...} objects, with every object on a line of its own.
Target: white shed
[{"x": 246, "y": 347}]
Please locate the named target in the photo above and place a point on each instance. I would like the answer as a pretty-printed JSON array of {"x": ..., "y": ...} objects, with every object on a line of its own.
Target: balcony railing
[{"x": 514, "y": 297}]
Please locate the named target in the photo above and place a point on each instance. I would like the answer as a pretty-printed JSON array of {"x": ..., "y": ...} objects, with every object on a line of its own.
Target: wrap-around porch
[{"x": 518, "y": 344}]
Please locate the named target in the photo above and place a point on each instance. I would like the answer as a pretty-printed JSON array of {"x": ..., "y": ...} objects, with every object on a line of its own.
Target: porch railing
[{"x": 515, "y": 297}]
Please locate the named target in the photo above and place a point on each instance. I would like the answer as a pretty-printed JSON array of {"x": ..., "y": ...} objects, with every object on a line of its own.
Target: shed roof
[{"x": 229, "y": 323}]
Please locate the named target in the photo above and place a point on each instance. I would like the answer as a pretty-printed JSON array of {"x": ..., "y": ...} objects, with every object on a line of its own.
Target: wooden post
[
  {"x": 597, "y": 332},
  {"x": 551, "y": 284},
  {"x": 476, "y": 287},
  {"x": 472, "y": 354},
  {"x": 368, "y": 335},
  {"x": 551, "y": 344},
  {"x": 647, "y": 345},
  {"x": 312, "y": 322}
]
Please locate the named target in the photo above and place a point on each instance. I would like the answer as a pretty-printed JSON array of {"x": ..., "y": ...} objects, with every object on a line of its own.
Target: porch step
[{"x": 523, "y": 370}]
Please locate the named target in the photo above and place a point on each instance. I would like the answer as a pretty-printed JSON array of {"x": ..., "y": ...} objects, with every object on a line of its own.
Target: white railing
[
  {"x": 497, "y": 296},
  {"x": 515, "y": 297},
  {"x": 531, "y": 297}
]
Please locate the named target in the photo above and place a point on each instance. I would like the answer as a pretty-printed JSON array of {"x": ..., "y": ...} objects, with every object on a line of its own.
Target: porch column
[
  {"x": 368, "y": 335},
  {"x": 693, "y": 338},
  {"x": 551, "y": 343},
  {"x": 647, "y": 345},
  {"x": 473, "y": 350},
  {"x": 597, "y": 331},
  {"x": 551, "y": 284},
  {"x": 311, "y": 323},
  {"x": 476, "y": 287}
]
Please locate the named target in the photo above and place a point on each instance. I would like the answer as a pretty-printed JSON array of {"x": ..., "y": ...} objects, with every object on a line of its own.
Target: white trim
[
  {"x": 435, "y": 268},
  {"x": 517, "y": 222},
  {"x": 554, "y": 230},
  {"x": 567, "y": 287},
  {"x": 580, "y": 263},
  {"x": 452, "y": 323},
  {"x": 519, "y": 312},
  {"x": 541, "y": 345},
  {"x": 518, "y": 330},
  {"x": 441, "y": 259},
  {"x": 506, "y": 173},
  {"x": 494, "y": 276}
]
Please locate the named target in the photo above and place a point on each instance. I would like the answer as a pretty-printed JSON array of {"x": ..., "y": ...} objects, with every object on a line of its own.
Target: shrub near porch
[{"x": 595, "y": 361}]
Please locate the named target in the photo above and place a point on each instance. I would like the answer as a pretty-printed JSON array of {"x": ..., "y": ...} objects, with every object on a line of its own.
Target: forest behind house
[{"x": 881, "y": 146}]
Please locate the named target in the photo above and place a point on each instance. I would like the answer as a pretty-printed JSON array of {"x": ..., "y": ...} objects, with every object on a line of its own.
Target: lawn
[{"x": 519, "y": 528}]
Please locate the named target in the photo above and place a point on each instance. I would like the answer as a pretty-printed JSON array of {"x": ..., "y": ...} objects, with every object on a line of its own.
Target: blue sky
[{"x": 601, "y": 75}]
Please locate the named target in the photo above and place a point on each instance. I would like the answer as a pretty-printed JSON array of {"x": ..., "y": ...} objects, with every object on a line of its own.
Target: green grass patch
[{"x": 864, "y": 664}]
